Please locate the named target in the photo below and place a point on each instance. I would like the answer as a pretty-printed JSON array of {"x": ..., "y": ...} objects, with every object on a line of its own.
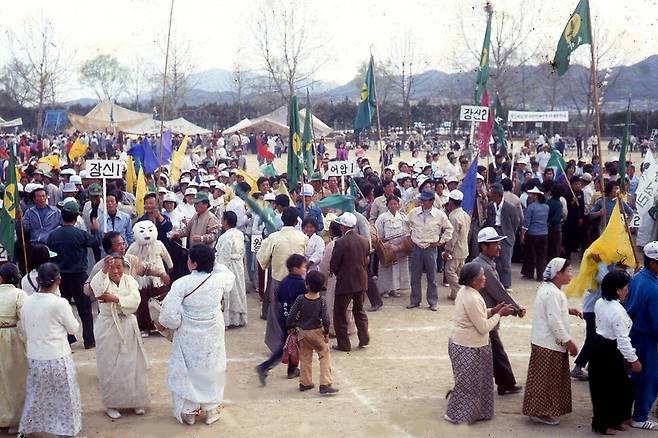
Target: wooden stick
[
  {"x": 18, "y": 209},
  {"x": 628, "y": 230},
  {"x": 379, "y": 123},
  {"x": 595, "y": 97},
  {"x": 164, "y": 89}
]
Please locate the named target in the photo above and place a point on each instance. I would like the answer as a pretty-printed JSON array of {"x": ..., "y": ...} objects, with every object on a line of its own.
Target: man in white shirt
[{"x": 543, "y": 157}]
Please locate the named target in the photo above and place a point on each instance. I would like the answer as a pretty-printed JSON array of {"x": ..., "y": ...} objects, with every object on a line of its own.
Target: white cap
[
  {"x": 522, "y": 160},
  {"x": 269, "y": 197},
  {"x": 193, "y": 183},
  {"x": 480, "y": 177},
  {"x": 162, "y": 190},
  {"x": 651, "y": 250},
  {"x": 20, "y": 187},
  {"x": 438, "y": 174},
  {"x": 30, "y": 187},
  {"x": 221, "y": 166},
  {"x": 184, "y": 180},
  {"x": 75, "y": 179},
  {"x": 213, "y": 183},
  {"x": 346, "y": 219},
  {"x": 190, "y": 191},
  {"x": 489, "y": 234},
  {"x": 202, "y": 171},
  {"x": 536, "y": 191},
  {"x": 224, "y": 174},
  {"x": 68, "y": 171},
  {"x": 401, "y": 175},
  {"x": 452, "y": 179},
  {"x": 204, "y": 185},
  {"x": 421, "y": 179},
  {"x": 233, "y": 171},
  {"x": 587, "y": 177},
  {"x": 84, "y": 174},
  {"x": 307, "y": 190},
  {"x": 457, "y": 195},
  {"x": 170, "y": 197},
  {"x": 222, "y": 187},
  {"x": 69, "y": 187}
]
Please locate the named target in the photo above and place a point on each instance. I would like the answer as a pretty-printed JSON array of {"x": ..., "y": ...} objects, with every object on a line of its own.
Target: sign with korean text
[
  {"x": 341, "y": 168},
  {"x": 472, "y": 113},
  {"x": 256, "y": 242},
  {"x": 538, "y": 116},
  {"x": 104, "y": 169}
]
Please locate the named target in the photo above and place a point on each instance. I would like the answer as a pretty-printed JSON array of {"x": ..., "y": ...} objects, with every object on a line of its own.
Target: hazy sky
[{"x": 217, "y": 30}]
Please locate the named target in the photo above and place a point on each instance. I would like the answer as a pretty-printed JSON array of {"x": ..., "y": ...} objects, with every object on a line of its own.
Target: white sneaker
[
  {"x": 113, "y": 413},
  {"x": 646, "y": 425},
  {"x": 140, "y": 411},
  {"x": 212, "y": 415},
  {"x": 146, "y": 333},
  {"x": 189, "y": 419},
  {"x": 450, "y": 420}
]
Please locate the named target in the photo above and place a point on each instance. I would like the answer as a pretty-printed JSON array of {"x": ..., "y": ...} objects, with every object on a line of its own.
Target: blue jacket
[
  {"x": 40, "y": 231},
  {"x": 642, "y": 304},
  {"x": 313, "y": 211},
  {"x": 290, "y": 288},
  {"x": 121, "y": 224}
]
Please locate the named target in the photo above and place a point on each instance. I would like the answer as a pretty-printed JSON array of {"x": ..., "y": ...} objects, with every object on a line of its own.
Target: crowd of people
[{"x": 215, "y": 230}]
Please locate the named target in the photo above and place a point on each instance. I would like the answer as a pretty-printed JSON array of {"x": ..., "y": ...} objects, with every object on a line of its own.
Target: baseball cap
[
  {"x": 69, "y": 188},
  {"x": 170, "y": 197},
  {"x": 84, "y": 174},
  {"x": 184, "y": 180},
  {"x": 489, "y": 234},
  {"x": 346, "y": 219},
  {"x": 70, "y": 205},
  {"x": 651, "y": 250},
  {"x": 426, "y": 195},
  {"x": 162, "y": 190},
  {"x": 222, "y": 187},
  {"x": 190, "y": 191},
  {"x": 452, "y": 179},
  {"x": 457, "y": 195},
  {"x": 76, "y": 179},
  {"x": 200, "y": 197},
  {"x": 269, "y": 197},
  {"x": 402, "y": 175},
  {"x": 307, "y": 190},
  {"x": 95, "y": 190},
  {"x": 68, "y": 171}
]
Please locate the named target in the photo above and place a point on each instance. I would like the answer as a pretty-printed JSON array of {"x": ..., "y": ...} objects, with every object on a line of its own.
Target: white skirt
[{"x": 52, "y": 399}]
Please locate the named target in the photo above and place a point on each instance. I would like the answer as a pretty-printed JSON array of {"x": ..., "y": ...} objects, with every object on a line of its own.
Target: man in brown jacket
[{"x": 349, "y": 263}]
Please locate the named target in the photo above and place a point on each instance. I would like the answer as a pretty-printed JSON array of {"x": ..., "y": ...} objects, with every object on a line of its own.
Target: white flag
[{"x": 648, "y": 185}]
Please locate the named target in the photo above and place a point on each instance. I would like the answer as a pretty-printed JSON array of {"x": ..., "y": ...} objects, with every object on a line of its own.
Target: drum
[
  {"x": 406, "y": 246},
  {"x": 386, "y": 253}
]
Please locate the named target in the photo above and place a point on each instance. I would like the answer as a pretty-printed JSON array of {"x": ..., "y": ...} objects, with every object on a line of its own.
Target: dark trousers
[
  {"x": 590, "y": 333},
  {"x": 534, "y": 251},
  {"x": 142, "y": 313},
  {"x": 71, "y": 287},
  {"x": 340, "y": 319},
  {"x": 579, "y": 149},
  {"x": 373, "y": 292},
  {"x": 276, "y": 357},
  {"x": 502, "y": 368},
  {"x": 553, "y": 242},
  {"x": 646, "y": 382}
]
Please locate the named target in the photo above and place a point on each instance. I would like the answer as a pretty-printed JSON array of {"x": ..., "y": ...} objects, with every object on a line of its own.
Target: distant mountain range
[{"x": 532, "y": 87}]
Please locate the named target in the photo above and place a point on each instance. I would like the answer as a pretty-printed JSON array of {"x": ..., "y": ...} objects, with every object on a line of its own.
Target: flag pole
[
  {"x": 20, "y": 212},
  {"x": 379, "y": 124},
  {"x": 626, "y": 225},
  {"x": 595, "y": 97},
  {"x": 164, "y": 88}
]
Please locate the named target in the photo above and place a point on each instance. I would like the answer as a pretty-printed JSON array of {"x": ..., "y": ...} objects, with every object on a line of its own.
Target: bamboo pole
[
  {"x": 628, "y": 230},
  {"x": 597, "y": 118},
  {"x": 379, "y": 123},
  {"x": 164, "y": 89},
  {"x": 20, "y": 212}
]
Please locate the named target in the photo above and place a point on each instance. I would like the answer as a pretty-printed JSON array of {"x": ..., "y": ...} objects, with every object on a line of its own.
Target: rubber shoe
[
  {"x": 327, "y": 390},
  {"x": 303, "y": 388},
  {"x": 113, "y": 413},
  {"x": 212, "y": 416}
]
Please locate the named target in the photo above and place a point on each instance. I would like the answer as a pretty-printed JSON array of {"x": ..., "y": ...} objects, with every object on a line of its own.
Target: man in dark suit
[
  {"x": 349, "y": 263},
  {"x": 504, "y": 218}
]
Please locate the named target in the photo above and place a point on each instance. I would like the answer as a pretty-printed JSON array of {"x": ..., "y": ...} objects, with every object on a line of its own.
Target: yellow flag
[
  {"x": 77, "y": 150},
  {"x": 283, "y": 190},
  {"x": 613, "y": 246},
  {"x": 177, "y": 160},
  {"x": 130, "y": 175},
  {"x": 249, "y": 180},
  {"x": 141, "y": 192},
  {"x": 51, "y": 160}
]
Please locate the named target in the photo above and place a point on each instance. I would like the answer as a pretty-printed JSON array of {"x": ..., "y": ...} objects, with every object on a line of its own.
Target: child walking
[{"x": 309, "y": 314}]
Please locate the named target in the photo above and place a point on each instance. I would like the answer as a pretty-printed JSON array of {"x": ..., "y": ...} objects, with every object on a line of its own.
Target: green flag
[
  {"x": 499, "y": 119},
  {"x": 557, "y": 162},
  {"x": 624, "y": 147},
  {"x": 295, "y": 159},
  {"x": 575, "y": 34},
  {"x": 483, "y": 70},
  {"x": 354, "y": 189},
  {"x": 266, "y": 214},
  {"x": 307, "y": 137},
  {"x": 368, "y": 100},
  {"x": 9, "y": 204},
  {"x": 337, "y": 202}
]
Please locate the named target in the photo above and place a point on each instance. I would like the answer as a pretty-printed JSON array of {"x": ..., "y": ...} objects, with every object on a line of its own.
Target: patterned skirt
[
  {"x": 548, "y": 386},
  {"x": 52, "y": 399},
  {"x": 472, "y": 396}
]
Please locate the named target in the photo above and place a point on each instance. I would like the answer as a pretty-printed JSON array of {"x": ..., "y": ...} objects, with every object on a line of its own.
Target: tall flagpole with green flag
[
  {"x": 9, "y": 205},
  {"x": 295, "y": 159},
  {"x": 483, "y": 69},
  {"x": 624, "y": 148},
  {"x": 307, "y": 137},
  {"x": 368, "y": 107}
]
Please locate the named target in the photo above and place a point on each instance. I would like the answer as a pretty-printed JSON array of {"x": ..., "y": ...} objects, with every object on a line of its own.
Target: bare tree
[
  {"x": 36, "y": 67},
  {"x": 106, "y": 75},
  {"x": 178, "y": 81},
  {"x": 240, "y": 81},
  {"x": 137, "y": 79},
  {"x": 404, "y": 60},
  {"x": 287, "y": 46}
]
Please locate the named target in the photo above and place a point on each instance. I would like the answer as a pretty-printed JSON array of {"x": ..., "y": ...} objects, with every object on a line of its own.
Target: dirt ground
[{"x": 395, "y": 387}]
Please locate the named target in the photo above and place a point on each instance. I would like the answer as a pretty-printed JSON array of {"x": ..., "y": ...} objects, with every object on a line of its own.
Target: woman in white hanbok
[
  {"x": 192, "y": 308},
  {"x": 230, "y": 252},
  {"x": 392, "y": 228},
  {"x": 120, "y": 357}
]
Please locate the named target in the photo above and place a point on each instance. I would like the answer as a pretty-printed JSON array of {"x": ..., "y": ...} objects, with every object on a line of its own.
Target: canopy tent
[
  {"x": 107, "y": 116},
  {"x": 178, "y": 126},
  {"x": 276, "y": 122}
]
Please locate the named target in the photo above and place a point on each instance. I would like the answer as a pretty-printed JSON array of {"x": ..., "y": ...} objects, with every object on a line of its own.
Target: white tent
[
  {"x": 106, "y": 116},
  {"x": 277, "y": 122},
  {"x": 178, "y": 126}
]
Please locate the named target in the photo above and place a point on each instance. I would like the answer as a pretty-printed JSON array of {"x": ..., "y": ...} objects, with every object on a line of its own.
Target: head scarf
[{"x": 553, "y": 267}]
